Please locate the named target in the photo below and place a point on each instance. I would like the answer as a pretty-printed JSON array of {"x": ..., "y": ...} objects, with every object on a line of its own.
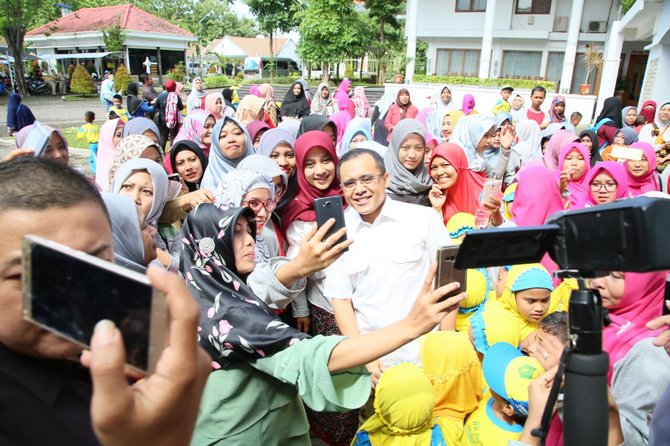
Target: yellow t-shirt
[
  {"x": 91, "y": 132},
  {"x": 501, "y": 106},
  {"x": 483, "y": 428},
  {"x": 121, "y": 112}
]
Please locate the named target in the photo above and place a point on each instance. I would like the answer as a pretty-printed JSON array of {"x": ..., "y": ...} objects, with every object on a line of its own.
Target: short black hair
[
  {"x": 118, "y": 96},
  {"x": 112, "y": 115},
  {"x": 538, "y": 88},
  {"x": 353, "y": 154},
  {"x": 556, "y": 324},
  {"x": 89, "y": 116},
  {"x": 35, "y": 184}
]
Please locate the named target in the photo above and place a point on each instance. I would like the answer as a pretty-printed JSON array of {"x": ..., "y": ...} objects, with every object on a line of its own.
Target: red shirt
[{"x": 535, "y": 116}]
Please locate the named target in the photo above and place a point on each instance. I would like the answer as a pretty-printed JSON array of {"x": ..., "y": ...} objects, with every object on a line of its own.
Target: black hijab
[
  {"x": 133, "y": 101},
  {"x": 595, "y": 145},
  {"x": 191, "y": 146},
  {"x": 612, "y": 108},
  {"x": 295, "y": 106},
  {"x": 227, "y": 94},
  {"x": 315, "y": 122},
  {"x": 235, "y": 325}
]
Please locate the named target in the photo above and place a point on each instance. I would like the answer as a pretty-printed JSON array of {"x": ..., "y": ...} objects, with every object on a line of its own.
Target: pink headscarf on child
[
  {"x": 579, "y": 188},
  {"x": 616, "y": 171},
  {"x": 649, "y": 181}
]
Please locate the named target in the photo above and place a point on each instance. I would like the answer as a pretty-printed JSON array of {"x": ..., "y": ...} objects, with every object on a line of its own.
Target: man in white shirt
[{"x": 378, "y": 280}]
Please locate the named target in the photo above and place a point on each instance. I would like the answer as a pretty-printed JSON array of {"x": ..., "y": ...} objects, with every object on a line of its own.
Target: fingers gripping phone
[
  {"x": 67, "y": 292},
  {"x": 327, "y": 208},
  {"x": 447, "y": 272},
  {"x": 491, "y": 189}
]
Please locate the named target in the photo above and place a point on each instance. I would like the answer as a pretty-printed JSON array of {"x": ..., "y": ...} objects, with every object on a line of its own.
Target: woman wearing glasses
[{"x": 607, "y": 182}]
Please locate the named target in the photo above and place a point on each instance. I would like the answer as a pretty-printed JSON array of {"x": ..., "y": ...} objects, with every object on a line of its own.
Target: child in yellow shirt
[
  {"x": 91, "y": 133},
  {"x": 503, "y": 103},
  {"x": 118, "y": 108}
]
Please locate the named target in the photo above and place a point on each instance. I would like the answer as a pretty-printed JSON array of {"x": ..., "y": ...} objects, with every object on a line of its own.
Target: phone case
[
  {"x": 327, "y": 208},
  {"x": 446, "y": 270},
  {"x": 491, "y": 188}
]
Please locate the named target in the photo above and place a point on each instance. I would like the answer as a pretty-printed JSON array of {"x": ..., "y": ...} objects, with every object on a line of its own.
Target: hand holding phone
[
  {"x": 492, "y": 188},
  {"x": 327, "y": 208},
  {"x": 447, "y": 272}
]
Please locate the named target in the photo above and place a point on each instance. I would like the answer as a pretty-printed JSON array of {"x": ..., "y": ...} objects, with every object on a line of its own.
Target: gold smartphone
[{"x": 447, "y": 272}]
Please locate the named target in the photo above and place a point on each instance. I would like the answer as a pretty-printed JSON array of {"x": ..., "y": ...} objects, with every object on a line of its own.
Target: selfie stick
[{"x": 585, "y": 410}]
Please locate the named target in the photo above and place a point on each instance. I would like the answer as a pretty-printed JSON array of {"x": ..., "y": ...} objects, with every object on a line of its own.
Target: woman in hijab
[
  {"x": 623, "y": 137},
  {"x": 278, "y": 144},
  {"x": 648, "y": 111},
  {"x": 133, "y": 238},
  {"x": 609, "y": 120},
  {"x": 409, "y": 180},
  {"x": 354, "y": 134},
  {"x": 227, "y": 94},
  {"x": 518, "y": 111},
  {"x": 189, "y": 161},
  {"x": 455, "y": 187},
  {"x": 361, "y": 105},
  {"x": 169, "y": 113},
  {"x": 250, "y": 109},
  {"x": 293, "y": 126},
  {"x": 657, "y": 133},
  {"x": 323, "y": 104},
  {"x": 196, "y": 99},
  {"x": 137, "y": 107},
  {"x": 558, "y": 140},
  {"x": 231, "y": 143},
  {"x": 256, "y": 130},
  {"x": 318, "y": 122},
  {"x": 573, "y": 168},
  {"x": 608, "y": 182},
  {"x": 401, "y": 109},
  {"x": 295, "y": 103},
  {"x": 54, "y": 143},
  {"x": 642, "y": 176},
  {"x": 342, "y": 97},
  {"x": 557, "y": 109},
  {"x": 18, "y": 115},
  {"x": 629, "y": 116},
  {"x": 197, "y": 127},
  {"x": 341, "y": 120},
  {"x": 456, "y": 376},
  {"x": 271, "y": 113},
  {"x": 529, "y": 136},
  {"x": 131, "y": 147},
  {"x": 445, "y": 101},
  {"x": 537, "y": 196},
  {"x": 216, "y": 106},
  {"x": 591, "y": 142},
  {"x": 469, "y": 105},
  {"x": 308, "y": 91},
  {"x": 403, "y": 411},
  {"x": 475, "y": 134},
  {"x": 382, "y": 106},
  {"x": 111, "y": 133}
]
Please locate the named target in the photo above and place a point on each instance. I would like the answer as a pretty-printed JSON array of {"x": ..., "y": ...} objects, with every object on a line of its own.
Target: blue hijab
[{"x": 18, "y": 115}]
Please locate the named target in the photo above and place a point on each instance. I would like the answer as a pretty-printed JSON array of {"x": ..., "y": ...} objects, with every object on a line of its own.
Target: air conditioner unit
[
  {"x": 561, "y": 24},
  {"x": 597, "y": 27}
]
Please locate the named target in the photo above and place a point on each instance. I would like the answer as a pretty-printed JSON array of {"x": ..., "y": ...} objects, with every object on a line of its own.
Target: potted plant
[
  {"x": 593, "y": 59},
  {"x": 398, "y": 64}
]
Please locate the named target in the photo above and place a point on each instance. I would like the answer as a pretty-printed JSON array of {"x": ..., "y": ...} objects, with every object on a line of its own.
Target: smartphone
[
  {"x": 627, "y": 153},
  {"x": 447, "y": 271},
  {"x": 67, "y": 292},
  {"x": 174, "y": 177},
  {"x": 327, "y": 208},
  {"x": 37, "y": 139},
  {"x": 492, "y": 188}
]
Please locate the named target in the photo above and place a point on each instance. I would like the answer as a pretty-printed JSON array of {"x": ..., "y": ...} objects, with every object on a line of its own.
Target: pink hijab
[
  {"x": 255, "y": 91},
  {"x": 556, "y": 143},
  {"x": 579, "y": 189},
  {"x": 649, "y": 181},
  {"x": 106, "y": 150},
  {"x": 341, "y": 120},
  {"x": 468, "y": 104},
  {"x": 614, "y": 170},
  {"x": 191, "y": 130},
  {"x": 342, "y": 96},
  {"x": 642, "y": 301}
]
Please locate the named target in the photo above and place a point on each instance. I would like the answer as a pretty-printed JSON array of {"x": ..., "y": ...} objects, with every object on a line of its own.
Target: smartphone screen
[
  {"x": 174, "y": 177},
  {"x": 327, "y": 208},
  {"x": 68, "y": 292}
]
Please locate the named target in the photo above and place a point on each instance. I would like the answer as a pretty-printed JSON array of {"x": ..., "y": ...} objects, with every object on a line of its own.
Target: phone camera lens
[{"x": 329, "y": 204}]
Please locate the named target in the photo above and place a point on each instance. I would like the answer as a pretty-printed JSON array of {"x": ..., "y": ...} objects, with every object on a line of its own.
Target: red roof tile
[{"x": 128, "y": 16}]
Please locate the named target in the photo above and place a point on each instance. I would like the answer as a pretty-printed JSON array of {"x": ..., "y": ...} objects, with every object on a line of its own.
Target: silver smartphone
[
  {"x": 37, "y": 139},
  {"x": 67, "y": 292}
]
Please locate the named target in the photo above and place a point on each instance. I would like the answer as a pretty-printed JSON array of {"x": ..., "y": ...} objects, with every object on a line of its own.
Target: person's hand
[
  {"x": 303, "y": 323},
  {"x": 16, "y": 153},
  {"x": 375, "y": 369},
  {"x": 506, "y": 137},
  {"x": 564, "y": 179},
  {"x": 317, "y": 254},
  {"x": 663, "y": 339},
  {"x": 193, "y": 199},
  {"x": 548, "y": 352},
  {"x": 544, "y": 125},
  {"x": 432, "y": 305},
  {"x": 493, "y": 205},
  {"x": 437, "y": 197},
  {"x": 162, "y": 408}
]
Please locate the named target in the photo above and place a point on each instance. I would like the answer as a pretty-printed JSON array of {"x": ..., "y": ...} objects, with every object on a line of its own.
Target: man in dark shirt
[{"x": 148, "y": 91}]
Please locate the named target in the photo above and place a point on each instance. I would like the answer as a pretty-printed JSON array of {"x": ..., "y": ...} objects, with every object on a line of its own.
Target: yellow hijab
[
  {"x": 476, "y": 290},
  {"x": 404, "y": 402},
  {"x": 450, "y": 362}
]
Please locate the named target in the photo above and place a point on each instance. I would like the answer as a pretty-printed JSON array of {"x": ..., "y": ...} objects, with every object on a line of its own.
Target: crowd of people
[{"x": 300, "y": 334}]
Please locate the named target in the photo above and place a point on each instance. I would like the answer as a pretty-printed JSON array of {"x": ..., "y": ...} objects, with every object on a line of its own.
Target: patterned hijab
[
  {"x": 403, "y": 181},
  {"x": 137, "y": 126},
  {"x": 130, "y": 147},
  {"x": 554, "y": 116},
  {"x": 219, "y": 164},
  {"x": 159, "y": 182},
  {"x": 235, "y": 325}
]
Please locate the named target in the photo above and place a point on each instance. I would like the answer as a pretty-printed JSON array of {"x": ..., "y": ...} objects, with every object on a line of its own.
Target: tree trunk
[
  {"x": 272, "y": 60},
  {"x": 15, "y": 32},
  {"x": 360, "y": 68},
  {"x": 382, "y": 52},
  {"x": 324, "y": 71},
  {"x": 309, "y": 71}
]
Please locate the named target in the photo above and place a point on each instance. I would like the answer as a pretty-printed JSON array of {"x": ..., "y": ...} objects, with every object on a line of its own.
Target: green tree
[
  {"x": 121, "y": 78},
  {"x": 82, "y": 82},
  {"x": 385, "y": 13},
  {"x": 115, "y": 38},
  {"x": 329, "y": 32}
]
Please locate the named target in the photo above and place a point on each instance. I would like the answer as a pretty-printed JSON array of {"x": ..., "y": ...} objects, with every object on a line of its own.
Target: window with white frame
[
  {"x": 533, "y": 6},
  {"x": 457, "y": 62},
  {"x": 521, "y": 64},
  {"x": 470, "y": 5}
]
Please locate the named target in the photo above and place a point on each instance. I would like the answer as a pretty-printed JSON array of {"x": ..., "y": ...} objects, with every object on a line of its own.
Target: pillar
[
  {"x": 571, "y": 45},
  {"x": 487, "y": 40},
  {"x": 411, "y": 19},
  {"x": 612, "y": 59},
  {"x": 160, "y": 66}
]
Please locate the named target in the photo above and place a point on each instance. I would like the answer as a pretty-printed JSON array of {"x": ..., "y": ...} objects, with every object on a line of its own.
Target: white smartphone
[
  {"x": 492, "y": 188},
  {"x": 67, "y": 292},
  {"x": 37, "y": 139},
  {"x": 627, "y": 153}
]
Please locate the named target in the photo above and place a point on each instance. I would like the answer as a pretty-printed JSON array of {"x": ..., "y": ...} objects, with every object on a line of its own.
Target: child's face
[
  {"x": 559, "y": 108},
  {"x": 618, "y": 139},
  {"x": 517, "y": 102},
  {"x": 117, "y": 103},
  {"x": 575, "y": 120},
  {"x": 533, "y": 303},
  {"x": 506, "y": 94},
  {"x": 537, "y": 99}
]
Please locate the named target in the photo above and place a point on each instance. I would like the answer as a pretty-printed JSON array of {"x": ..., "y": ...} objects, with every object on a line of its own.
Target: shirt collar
[{"x": 390, "y": 211}]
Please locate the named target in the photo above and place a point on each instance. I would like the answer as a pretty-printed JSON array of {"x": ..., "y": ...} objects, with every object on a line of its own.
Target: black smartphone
[
  {"x": 174, "y": 177},
  {"x": 67, "y": 292},
  {"x": 327, "y": 208},
  {"x": 447, "y": 271}
]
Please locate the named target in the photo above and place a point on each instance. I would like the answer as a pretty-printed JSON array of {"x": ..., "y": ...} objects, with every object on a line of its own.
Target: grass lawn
[{"x": 71, "y": 136}]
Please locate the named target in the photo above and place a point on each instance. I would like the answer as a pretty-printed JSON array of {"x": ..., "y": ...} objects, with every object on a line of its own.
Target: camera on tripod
[{"x": 623, "y": 236}]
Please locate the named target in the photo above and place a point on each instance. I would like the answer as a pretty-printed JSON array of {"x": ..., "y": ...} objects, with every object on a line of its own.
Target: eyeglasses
[
  {"x": 610, "y": 186},
  {"x": 365, "y": 180},
  {"x": 256, "y": 205}
]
